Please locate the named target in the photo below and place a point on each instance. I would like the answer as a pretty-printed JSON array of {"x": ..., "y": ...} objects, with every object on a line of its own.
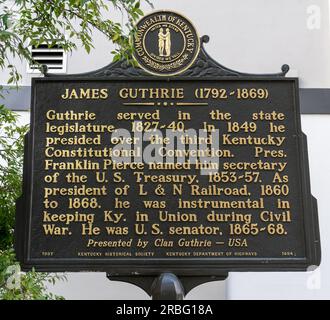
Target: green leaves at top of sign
[{"x": 70, "y": 24}]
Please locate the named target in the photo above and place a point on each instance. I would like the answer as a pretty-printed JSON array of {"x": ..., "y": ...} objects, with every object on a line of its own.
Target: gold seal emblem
[{"x": 166, "y": 43}]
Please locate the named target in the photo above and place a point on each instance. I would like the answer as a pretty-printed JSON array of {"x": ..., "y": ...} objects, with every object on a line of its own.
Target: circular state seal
[{"x": 165, "y": 43}]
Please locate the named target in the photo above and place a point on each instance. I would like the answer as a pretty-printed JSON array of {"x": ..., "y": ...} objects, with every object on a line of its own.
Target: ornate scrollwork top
[{"x": 204, "y": 66}]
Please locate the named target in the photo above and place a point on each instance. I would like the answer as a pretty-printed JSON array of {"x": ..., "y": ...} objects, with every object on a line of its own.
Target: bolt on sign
[{"x": 179, "y": 165}]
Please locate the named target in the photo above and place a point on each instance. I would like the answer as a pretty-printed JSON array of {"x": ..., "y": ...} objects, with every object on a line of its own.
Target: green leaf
[
  {"x": 115, "y": 37},
  {"x": 116, "y": 57},
  {"x": 139, "y": 11},
  {"x": 5, "y": 18}
]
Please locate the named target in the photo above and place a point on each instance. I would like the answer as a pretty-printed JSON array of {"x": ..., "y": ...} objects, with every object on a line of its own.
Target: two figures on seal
[{"x": 164, "y": 42}]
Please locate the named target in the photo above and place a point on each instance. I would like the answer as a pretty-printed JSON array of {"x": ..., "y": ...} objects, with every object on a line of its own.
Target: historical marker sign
[{"x": 197, "y": 175}]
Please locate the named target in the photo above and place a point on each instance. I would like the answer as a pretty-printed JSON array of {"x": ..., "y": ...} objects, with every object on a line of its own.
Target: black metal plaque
[
  {"x": 81, "y": 211},
  {"x": 193, "y": 173}
]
